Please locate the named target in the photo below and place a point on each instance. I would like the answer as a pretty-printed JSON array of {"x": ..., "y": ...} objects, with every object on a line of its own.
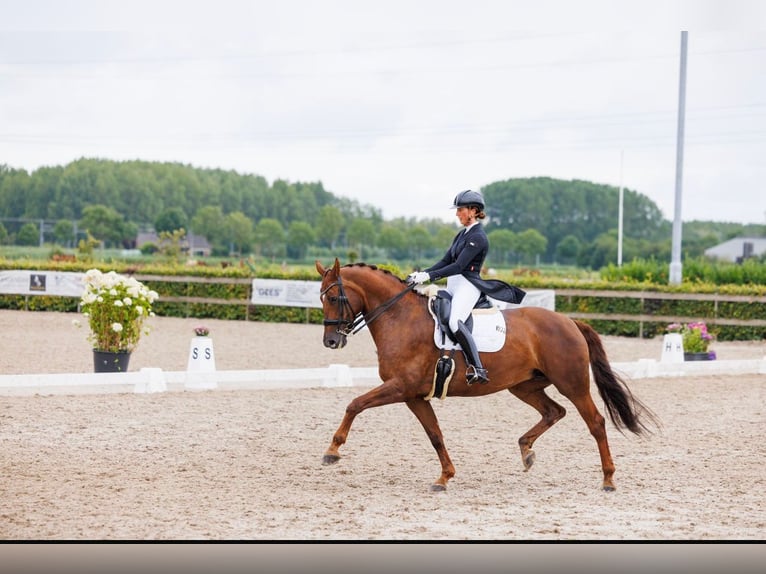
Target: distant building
[
  {"x": 738, "y": 249},
  {"x": 193, "y": 245}
]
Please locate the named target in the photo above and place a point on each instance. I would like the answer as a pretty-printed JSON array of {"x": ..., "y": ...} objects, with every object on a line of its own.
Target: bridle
[{"x": 349, "y": 322}]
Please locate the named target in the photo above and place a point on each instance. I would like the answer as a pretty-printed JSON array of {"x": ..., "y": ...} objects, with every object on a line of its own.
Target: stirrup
[{"x": 476, "y": 375}]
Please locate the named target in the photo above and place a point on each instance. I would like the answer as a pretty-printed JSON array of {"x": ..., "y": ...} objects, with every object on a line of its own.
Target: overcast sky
[{"x": 398, "y": 104}]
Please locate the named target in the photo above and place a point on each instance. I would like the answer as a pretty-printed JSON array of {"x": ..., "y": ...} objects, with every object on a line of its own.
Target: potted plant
[
  {"x": 696, "y": 340},
  {"x": 116, "y": 308}
]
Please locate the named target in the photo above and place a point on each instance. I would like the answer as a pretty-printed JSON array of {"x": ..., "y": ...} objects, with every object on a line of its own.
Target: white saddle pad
[{"x": 488, "y": 331}]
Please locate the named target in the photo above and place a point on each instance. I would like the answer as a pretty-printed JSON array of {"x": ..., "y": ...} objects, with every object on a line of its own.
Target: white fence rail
[{"x": 150, "y": 380}]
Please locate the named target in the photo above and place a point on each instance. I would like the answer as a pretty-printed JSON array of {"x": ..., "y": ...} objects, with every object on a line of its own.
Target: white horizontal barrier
[
  {"x": 151, "y": 380},
  {"x": 649, "y": 368}
]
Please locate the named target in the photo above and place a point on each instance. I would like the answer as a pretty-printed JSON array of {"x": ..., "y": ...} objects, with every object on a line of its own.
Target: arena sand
[{"x": 246, "y": 465}]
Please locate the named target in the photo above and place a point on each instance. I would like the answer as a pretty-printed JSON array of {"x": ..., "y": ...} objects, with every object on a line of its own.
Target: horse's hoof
[
  {"x": 438, "y": 487},
  {"x": 529, "y": 460},
  {"x": 330, "y": 459},
  {"x": 608, "y": 488}
]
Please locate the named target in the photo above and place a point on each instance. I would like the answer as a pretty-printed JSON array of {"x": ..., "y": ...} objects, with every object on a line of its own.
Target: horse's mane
[
  {"x": 425, "y": 291},
  {"x": 374, "y": 268}
]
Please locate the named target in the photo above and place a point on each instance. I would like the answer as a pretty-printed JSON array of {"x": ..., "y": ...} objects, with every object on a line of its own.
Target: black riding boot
[{"x": 475, "y": 373}]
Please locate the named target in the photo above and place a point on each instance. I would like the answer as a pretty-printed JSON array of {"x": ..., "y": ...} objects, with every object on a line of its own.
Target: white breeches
[{"x": 464, "y": 297}]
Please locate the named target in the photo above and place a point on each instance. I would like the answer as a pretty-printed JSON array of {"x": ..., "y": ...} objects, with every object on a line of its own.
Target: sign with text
[
  {"x": 286, "y": 293},
  {"x": 60, "y": 283}
]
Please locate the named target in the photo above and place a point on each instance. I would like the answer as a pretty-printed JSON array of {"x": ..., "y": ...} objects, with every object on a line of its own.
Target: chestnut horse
[{"x": 542, "y": 348}]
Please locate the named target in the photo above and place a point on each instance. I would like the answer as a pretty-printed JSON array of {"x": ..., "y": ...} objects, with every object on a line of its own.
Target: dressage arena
[{"x": 246, "y": 464}]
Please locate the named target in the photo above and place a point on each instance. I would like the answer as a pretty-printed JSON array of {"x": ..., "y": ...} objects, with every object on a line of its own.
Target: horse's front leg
[
  {"x": 385, "y": 394},
  {"x": 425, "y": 413}
]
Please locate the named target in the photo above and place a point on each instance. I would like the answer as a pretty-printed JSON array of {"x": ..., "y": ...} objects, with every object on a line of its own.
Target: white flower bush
[{"x": 116, "y": 308}]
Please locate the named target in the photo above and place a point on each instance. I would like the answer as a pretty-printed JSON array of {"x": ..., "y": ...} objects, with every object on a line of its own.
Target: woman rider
[{"x": 461, "y": 265}]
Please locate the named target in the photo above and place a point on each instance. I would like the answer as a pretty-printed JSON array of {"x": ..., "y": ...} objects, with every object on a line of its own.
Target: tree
[
  {"x": 600, "y": 251},
  {"x": 531, "y": 243},
  {"x": 210, "y": 222},
  {"x": 502, "y": 244},
  {"x": 63, "y": 232},
  {"x": 239, "y": 232},
  {"x": 330, "y": 222},
  {"x": 299, "y": 236},
  {"x": 14, "y": 185},
  {"x": 86, "y": 246},
  {"x": 103, "y": 223},
  {"x": 394, "y": 241},
  {"x": 170, "y": 243},
  {"x": 420, "y": 240},
  {"x": 361, "y": 233},
  {"x": 171, "y": 219},
  {"x": 28, "y": 235},
  {"x": 270, "y": 237},
  {"x": 3, "y": 234},
  {"x": 568, "y": 249},
  {"x": 129, "y": 234},
  {"x": 580, "y": 208}
]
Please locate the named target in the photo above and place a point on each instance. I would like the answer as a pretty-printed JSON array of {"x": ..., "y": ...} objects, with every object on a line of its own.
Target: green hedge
[
  {"x": 628, "y": 281},
  {"x": 39, "y": 303},
  {"x": 665, "y": 307}
]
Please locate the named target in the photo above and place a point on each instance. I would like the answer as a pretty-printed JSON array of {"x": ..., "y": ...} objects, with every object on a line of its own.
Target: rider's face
[{"x": 465, "y": 215}]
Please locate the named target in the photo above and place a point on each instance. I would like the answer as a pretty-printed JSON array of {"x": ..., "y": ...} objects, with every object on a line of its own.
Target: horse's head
[{"x": 339, "y": 315}]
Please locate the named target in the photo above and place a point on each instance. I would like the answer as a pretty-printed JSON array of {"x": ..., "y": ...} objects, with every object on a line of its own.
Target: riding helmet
[{"x": 468, "y": 198}]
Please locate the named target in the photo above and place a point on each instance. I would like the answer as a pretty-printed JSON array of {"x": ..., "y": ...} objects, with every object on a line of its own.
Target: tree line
[{"x": 530, "y": 220}]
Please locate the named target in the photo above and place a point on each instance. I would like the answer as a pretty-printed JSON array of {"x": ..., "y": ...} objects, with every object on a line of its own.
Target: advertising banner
[
  {"x": 286, "y": 293},
  {"x": 60, "y": 283}
]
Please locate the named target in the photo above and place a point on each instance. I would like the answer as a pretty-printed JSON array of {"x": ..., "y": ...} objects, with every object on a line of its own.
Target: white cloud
[{"x": 396, "y": 104}]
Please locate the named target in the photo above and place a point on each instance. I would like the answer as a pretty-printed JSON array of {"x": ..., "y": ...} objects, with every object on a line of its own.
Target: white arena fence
[{"x": 153, "y": 380}]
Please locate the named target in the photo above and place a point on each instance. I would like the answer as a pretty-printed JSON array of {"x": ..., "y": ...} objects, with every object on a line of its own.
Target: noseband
[{"x": 349, "y": 322}]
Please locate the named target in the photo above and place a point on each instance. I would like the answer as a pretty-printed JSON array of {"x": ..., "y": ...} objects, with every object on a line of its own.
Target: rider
[{"x": 461, "y": 265}]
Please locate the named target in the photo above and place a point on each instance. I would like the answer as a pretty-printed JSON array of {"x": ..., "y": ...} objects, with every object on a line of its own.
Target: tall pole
[
  {"x": 619, "y": 216},
  {"x": 675, "y": 263}
]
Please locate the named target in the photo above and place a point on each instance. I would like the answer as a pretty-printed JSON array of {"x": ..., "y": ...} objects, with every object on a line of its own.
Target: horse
[{"x": 541, "y": 348}]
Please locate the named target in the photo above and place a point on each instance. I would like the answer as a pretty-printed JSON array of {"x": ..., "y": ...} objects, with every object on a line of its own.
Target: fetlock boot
[{"x": 475, "y": 373}]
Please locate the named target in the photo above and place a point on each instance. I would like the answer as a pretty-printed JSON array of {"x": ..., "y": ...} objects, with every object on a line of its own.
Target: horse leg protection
[{"x": 475, "y": 372}]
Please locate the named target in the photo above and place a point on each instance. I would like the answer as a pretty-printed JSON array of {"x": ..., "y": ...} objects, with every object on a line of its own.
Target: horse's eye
[{"x": 333, "y": 299}]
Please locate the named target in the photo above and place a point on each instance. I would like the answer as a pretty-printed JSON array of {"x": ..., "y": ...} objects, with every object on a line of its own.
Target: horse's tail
[{"x": 623, "y": 408}]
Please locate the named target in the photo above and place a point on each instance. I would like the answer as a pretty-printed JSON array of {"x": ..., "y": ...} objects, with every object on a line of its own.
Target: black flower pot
[
  {"x": 110, "y": 362},
  {"x": 697, "y": 356}
]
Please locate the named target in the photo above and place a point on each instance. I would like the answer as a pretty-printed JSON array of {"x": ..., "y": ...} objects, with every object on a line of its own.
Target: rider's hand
[{"x": 418, "y": 277}]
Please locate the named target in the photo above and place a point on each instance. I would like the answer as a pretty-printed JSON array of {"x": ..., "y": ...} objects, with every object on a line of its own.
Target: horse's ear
[
  {"x": 336, "y": 267},
  {"x": 319, "y": 267}
]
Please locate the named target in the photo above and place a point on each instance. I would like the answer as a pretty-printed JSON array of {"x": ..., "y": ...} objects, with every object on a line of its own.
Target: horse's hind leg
[
  {"x": 425, "y": 414},
  {"x": 533, "y": 393},
  {"x": 595, "y": 421}
]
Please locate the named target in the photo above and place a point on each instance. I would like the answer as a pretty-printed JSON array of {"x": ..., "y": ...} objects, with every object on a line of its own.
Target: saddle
[
  {"x": 488, "y": 330},
  {"x": 441, "y": 307}
]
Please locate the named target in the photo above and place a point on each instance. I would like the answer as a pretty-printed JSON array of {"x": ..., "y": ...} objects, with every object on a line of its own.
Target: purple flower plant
[{"x": 696, "y": 336}]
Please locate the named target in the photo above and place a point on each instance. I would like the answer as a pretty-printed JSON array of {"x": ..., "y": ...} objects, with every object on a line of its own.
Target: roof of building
[{"x": 734, "y": 249}]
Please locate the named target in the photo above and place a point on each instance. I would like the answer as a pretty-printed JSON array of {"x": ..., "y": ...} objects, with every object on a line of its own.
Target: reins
[
  {"x": 353, "y": 326},
  {"x": 379, "y": 310}
]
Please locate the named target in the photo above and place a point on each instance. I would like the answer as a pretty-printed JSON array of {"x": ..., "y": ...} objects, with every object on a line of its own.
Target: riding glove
[{"x": 419, "y": 277}]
